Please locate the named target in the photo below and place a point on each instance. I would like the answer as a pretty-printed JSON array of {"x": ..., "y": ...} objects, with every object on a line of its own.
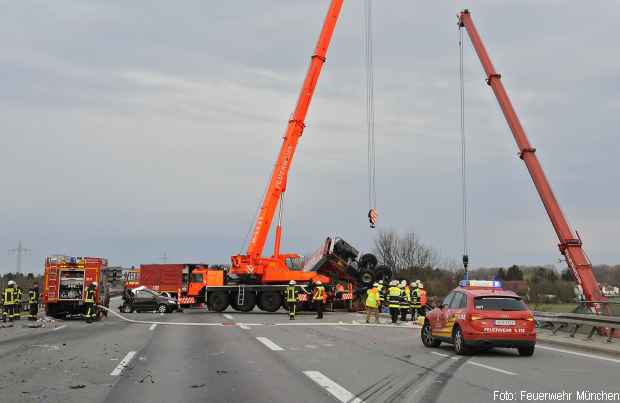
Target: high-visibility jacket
[
  {"x": 423, "y": 298},
  {"x": 394, "y": 296},
  {"x": 415, "y": 298},
  {"x": 406, "y": 297},
  {"x": 33, "y": 296},
  {"x": 18, "y": 295},
  {"x": 319, "y": 293},
  {"x": 372, "y": 298},
  {"x": 89, "y": 296},
  {"x": 9, "y": 296},
  {"x": 291, "y": 294},
  {"x": 380, "y": 292}
]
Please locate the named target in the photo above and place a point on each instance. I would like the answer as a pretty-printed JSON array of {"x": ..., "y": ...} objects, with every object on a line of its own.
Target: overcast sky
[{"x": 131, "y": 129}]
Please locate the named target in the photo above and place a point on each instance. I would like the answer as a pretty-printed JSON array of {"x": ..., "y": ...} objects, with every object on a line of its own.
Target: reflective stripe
[
  {"x": 319, "y": 292},
  {"x": 291, "y": 294}
]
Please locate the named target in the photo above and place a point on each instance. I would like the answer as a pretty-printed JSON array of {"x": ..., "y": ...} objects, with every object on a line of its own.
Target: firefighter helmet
[
  {"x": 292, "y": 282},
  {"x": 318, "y": 282},
  {"x": 11, "y": 282},
  {"x": 94, "y": 284}
]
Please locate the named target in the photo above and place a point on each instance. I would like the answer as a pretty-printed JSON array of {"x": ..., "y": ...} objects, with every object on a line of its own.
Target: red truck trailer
[
  {"x": 186, "y": 282},
  {"x": 66, "y": 279}
]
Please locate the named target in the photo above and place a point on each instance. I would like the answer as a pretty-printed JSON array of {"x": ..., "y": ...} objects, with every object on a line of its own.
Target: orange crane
[
  {"x": 570, "y": 245},
  {"x": 274, "y": 269}
]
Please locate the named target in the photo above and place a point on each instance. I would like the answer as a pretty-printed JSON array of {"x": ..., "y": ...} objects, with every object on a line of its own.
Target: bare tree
[
  {"x": 406, "y": 252},
  {"x": 386, "y": 248}
]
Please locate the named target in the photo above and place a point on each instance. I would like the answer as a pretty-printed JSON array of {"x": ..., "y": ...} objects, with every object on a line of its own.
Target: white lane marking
[
  {"x": 503, "y": 371},
  {"x": 47, "y": 346},
  {"x": 270, "y": 344},
  {"x": 311, "y": 346},
  {"x": 332, "y": 387},
  {"x": 243, "y": 326},
  {"x": 227, "y": 316},
  {"x": 123, "y": 364},
  {"x": 153, "y": 326},
  {"x": 440, "y": 354},
  {"x": 59, "y": 327},
  {"x": 596, "y": 357}
]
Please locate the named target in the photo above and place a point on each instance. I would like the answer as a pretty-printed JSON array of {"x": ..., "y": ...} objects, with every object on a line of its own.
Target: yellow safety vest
[
  {"x": 33, "y": 296},
  {"x": 291, "y": 294},
  {"x": 90, "y": 295},
  {"x": 394, "y": 297},
  {"x": 416, "y": 298},
  {"x": 9, "y": 296},
  {"x": 318, "y": 293},
  {"x": 372, "y": 298},
  {"x": 379, "y": 291},
  {"x": 407, "y": 299}
]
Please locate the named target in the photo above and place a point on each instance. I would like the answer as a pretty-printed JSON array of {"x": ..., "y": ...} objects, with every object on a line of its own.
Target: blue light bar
[{"x": 481, "y": 283}]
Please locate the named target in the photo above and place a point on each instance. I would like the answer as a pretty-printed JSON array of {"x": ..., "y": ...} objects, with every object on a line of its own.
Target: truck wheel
[
  {"x": 368, "y": 260},
  {"x": 383, "y": 272},
  {"x": 248, "y": 304},
  {"x": 218, "y": 301},
  {"x": 366, "y": 276},
  {"x": 270, "y": 301}
]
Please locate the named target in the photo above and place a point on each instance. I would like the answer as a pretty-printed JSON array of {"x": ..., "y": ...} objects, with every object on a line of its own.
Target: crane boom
[
  {"x": 251, "y": 262},
  {"x": 570, "y": 245}
]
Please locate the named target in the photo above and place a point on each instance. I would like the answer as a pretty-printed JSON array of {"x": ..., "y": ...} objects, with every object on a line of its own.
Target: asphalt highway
[{"x": 261, "y": 357}]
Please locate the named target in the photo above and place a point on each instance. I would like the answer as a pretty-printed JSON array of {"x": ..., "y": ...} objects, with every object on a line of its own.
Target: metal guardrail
[{"x": 604, "y": 324}]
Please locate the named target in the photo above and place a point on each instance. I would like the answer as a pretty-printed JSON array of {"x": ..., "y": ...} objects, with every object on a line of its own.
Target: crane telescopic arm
[
  {"x": 570, "y": 245},
  {"x": 251, "y": 262}
]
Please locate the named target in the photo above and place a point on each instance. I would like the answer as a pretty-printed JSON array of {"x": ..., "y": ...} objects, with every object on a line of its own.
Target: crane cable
[
  {"x": 463, "y": 155},
  {"x": 370, "y": 112}
]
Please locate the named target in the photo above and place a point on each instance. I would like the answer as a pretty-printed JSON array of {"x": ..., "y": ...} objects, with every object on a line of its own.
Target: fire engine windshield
[{"x": 499, "y": 304}]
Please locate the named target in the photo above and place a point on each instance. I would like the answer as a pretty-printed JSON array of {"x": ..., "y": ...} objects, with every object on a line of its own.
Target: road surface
[{"x": 261, "y": 357}]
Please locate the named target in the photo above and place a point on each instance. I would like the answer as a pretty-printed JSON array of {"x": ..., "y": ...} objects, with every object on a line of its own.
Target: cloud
[{"x": 133, "y": 130}]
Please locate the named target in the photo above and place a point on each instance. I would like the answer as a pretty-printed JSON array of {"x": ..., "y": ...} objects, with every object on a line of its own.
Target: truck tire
[
  {"x": 218, "y": 301},
  {"x": 270, "y": 301},
  {"x": 248, "y": 304},
  {"x": 367, "y": 276},
  {"x": 383, "y": 272},
  {"x": 368, "y": 260}
]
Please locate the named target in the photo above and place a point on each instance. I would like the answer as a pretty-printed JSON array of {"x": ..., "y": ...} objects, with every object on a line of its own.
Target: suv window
[
  {"x": 499, "y": 304},
  {"x": 448, "y": 299},
  {"x": 457, "y": 301}
]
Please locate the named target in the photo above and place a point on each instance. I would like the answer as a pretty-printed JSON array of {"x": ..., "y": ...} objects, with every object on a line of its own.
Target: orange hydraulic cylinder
[
  {"x": 277, "y": 184},
  {"x": 570, "y": 245}
]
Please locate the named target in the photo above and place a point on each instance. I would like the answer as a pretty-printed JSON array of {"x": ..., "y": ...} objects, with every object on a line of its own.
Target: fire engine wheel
[
  {"x": 270, "y": 301},
  {"x": 248, "y": 304},
  {"x": 459, "y": 343},
  {"x": 218, "y": 301},
  {"x": 427, "y": 337}
]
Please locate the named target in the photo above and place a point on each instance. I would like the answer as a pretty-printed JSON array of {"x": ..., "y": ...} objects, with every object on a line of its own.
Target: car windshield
[{"x": 499, "y": 304}]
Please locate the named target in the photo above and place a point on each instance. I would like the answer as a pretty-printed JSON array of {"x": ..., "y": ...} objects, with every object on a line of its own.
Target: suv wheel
[
  {"x": 459, "y": 343},
  {"x": 526, "y": 351},
  {"x": 427, "y": 336},
  {"x": 162, "y": 308}
]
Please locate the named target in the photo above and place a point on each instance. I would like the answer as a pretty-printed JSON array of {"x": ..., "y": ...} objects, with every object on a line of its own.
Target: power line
[{"x": 19, "y": 252}]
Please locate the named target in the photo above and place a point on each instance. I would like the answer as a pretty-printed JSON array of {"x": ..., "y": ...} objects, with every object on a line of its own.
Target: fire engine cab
[{"x": 480, "y": 314}]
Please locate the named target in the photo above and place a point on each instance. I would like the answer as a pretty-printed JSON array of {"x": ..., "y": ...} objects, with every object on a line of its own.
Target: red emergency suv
[{"x": 480, "y": 314}]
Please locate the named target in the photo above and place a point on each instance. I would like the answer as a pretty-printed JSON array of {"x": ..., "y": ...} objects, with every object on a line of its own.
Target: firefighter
[
  {"x": 372, "y": 303},
  {"x": 405, "y": 305},
  {"x": 380, "y": 292},
  {"x": 394, "y": 297},
  {"x": 17, "y": 305},
  {"x": 291, "y": 299},
  {"x": 318, "y": 297},
  {"x": 415, "y": 299},
  {"x": 33, "y": 301},
  {"x": 89, "y": 301},
  {"x": 423, "y": 299},
  {"x": 9, "y": 301}
]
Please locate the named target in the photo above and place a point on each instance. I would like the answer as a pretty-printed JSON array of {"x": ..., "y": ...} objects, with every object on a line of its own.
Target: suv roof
[{"x": 487, "y": 292}]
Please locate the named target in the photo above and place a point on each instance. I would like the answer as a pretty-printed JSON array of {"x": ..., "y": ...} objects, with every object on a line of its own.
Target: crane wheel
[
  {"x": 367, "y": 276},
  {"x": 218, "y": 301},
  {"x": 270, "y": 301},
  {"x": 383, "y": 272},
  {"x": 248, "y": 304}
]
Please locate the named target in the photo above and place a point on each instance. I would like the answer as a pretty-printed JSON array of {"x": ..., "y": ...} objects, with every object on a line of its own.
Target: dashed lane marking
[
  {"x": 243, "y": 326},
  {"x": 503, "y": 371},
  {"x": 59, "y": 327},
  {"x": 227, "y": 316},
  {"x": 332, "y": 387},
  {"x": 123, "y": 364},
  {"x": 596, "y": 357},
  {"x": 270, "y": 344},
  {"x": 153, "y": 326}
]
